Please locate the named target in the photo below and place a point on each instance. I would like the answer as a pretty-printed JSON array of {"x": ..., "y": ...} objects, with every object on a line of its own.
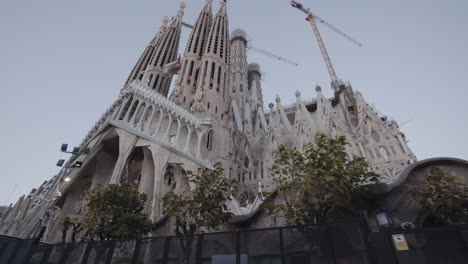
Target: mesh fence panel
[
  {"x": 39, "y": 253},
  {"x": 261, "y": 246},
  {"x": 218, "y": 249},
  {"x": 337, "y": 243},
  {"x": 182, "y": 250},
  {"x": 99, "y": 251},
  {"x": 8, "y": 249},
  {"x": 151, "y": 250},
  {"x": 71, "y": 253},
  {"x": 123, "y": 251},
  {"x": 307, "y": 245},
  {"x": 349, "y": 243}
]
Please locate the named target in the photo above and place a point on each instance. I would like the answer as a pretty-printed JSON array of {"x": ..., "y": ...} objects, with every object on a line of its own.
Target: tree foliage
[
  {"x": 313, "y": 183},
  {"x": 203, "y": 207},
  {"x": 115, "y": 211},
  {"x": 75, "y": 225},
  {"x": 443, "y": 196}
]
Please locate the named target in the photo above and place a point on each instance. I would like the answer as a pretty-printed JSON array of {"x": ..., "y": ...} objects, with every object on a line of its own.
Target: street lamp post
[{"x": 66, "y": 167}]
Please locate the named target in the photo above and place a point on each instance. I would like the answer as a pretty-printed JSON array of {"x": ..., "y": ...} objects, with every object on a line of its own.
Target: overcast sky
[{"x": 62, "y": 63}]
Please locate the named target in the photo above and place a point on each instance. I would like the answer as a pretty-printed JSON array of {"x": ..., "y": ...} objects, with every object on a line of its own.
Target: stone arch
[
  {"x": 139, "y": 170},
  {"x": 145, "y": 122},
  {"x": 153, "y": 126},
  {"x": 139, "y": 114},
  {"x": 193, "y": 146},
  {"x": 125, "y": 108},
  {"x": 173, "y": 129},
  {"x": 133, "y": 110},
  {"x": 183, "y": 136},
  {"x": 174, "y": 179},
  {"x": 165, "y": 118}
]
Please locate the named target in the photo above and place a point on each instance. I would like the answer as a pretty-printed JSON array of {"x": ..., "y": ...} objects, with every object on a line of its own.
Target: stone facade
[{"x": 215, "y": 117}]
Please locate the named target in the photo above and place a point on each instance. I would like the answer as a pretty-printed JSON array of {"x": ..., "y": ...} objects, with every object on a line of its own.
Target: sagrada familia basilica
[{"x": 216, "y": 117}]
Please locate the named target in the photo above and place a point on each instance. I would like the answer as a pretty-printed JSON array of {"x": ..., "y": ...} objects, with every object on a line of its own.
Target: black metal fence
[
  {"x": 332, "y": 243},
  {"x": 439, "y": 245}
]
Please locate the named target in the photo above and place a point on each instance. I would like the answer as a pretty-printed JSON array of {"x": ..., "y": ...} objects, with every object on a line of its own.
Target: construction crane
[
  {"x": 255, "y": 49},
  {"x": 312, "y": 18},
  {"x": 271, "y": 55}
]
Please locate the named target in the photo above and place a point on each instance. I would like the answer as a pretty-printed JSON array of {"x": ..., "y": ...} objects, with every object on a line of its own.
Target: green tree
[
  {"x": 75, "y": 225},
  {"x": 444, "y": 196},
  {"x": 115, "y": 211},
  {"x": 201, "y": 208},
  {"x": 316, "y": 182}
]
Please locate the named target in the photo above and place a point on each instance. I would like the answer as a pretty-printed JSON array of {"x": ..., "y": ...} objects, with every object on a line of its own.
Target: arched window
[{"x": 209, "y": 139}]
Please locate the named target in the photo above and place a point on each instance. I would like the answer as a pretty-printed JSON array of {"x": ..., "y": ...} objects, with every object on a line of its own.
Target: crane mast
[
  {"x": 312, "y": 20},
  {"x": 323, "y": 49}
]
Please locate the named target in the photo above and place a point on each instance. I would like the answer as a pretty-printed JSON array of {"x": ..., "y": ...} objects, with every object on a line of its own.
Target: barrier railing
[{"x": 345, "y": 242}]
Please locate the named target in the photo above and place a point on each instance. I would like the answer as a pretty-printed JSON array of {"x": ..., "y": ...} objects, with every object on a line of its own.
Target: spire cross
[
  {"x": 223, "y": 2},
  {"x": 165, "y": 20},
  {"x": 181, "y": 12}
]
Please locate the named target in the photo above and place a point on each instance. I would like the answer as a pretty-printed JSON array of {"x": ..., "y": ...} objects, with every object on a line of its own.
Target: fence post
[
  {"x": 199, "y": 249},
  {"x": 238, "y": 247},
  {"x": 167, "y": 243},
  {"x": 110, "y": 252},
  {"x": 86, "y": 254},
  {"x": 281, "y": 245},
  {"x": 136, "y": 251}
]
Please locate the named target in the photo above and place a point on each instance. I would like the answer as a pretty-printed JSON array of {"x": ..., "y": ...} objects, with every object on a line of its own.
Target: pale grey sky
[{"x": 62, "y": 64}]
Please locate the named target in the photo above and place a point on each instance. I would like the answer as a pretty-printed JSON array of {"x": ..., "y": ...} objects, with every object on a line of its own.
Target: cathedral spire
[
  {"x": 158, "y": 75},
  {"x": 212, "y": 93},
  {"x": 186, "y": 85},
  {"x": 142, "y": 64}
]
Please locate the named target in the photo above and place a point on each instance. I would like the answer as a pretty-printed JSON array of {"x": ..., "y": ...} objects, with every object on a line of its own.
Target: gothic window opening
[
  {"x": 190, "y": 72},
  {"x": 393, "y": 150},
  {"x": 402, "y": 148},
  {"x": 205, "y": 68},
  {"x": 169, "y": 179},
  {"x": 378, "y": 153},
  {"x": 156, "y": 82},
  {"x": 183, "y": 101},
  {"x": 386, "y": 151},
  {"x": 209, "y": 140},
  {"x": 197, "y": 72},
  {"x": 375, "y": 136},
  {"x": 261, "y": 170},
  {"x": 213, "y": 67},
  {"x": 216, "y": 110},
  {"x": 219, "y": 79},
  {"x": 371, "y": 153},
  {"x": 208, "y": 105}
]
